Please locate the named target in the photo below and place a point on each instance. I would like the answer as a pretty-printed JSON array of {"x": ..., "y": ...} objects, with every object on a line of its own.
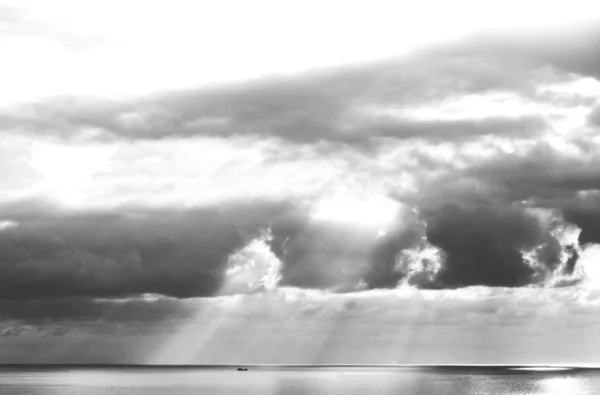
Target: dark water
[{"x": 294, "y": 381}]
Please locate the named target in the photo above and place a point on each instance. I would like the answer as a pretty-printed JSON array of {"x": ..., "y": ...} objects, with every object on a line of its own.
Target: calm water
[{"x": 306, "y": 381}]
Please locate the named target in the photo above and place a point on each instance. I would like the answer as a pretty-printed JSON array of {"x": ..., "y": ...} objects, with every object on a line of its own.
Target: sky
[{"x": 315, "y": 182}]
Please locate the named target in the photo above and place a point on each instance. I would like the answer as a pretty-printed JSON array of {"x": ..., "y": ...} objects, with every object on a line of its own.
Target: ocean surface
[{"x": 120, "y": 380}]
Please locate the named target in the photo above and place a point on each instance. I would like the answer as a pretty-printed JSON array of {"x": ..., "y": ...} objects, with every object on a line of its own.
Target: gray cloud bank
[
  {"x": 328, "y": 106},
  {"x": 477, "y": 213},
  {"x": 172, "y": 253},
  {"x": 186, "y": 253}
]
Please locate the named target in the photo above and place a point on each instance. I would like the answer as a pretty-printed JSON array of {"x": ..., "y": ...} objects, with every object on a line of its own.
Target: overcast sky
[{"x": 299, "y": 182}]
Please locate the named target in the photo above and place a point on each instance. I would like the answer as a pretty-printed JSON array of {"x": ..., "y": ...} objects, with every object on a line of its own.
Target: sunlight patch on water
[{"x": 563, "y": 386}]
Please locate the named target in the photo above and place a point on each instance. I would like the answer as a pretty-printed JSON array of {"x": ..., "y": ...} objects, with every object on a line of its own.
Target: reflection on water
[
  {"x": 565, "y": 385},
  {"x": 308, "y": 381}
]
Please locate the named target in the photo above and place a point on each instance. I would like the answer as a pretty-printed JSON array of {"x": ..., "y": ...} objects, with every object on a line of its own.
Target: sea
[{"x": 297, "y": 380}]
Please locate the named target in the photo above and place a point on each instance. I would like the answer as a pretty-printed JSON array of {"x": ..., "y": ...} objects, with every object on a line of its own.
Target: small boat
[{"x": 242, "y": 369}]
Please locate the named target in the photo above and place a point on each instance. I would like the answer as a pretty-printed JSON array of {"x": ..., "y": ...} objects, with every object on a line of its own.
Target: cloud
[
  {"x": 551, "y": 172},
  {"x": 212, "y": 250},
  {"x": 185, "y": 252},
  {"x": 446, "y": 246},
  {"x": 571, "y": 261},
  {"x": 586, "y": 217},
  {"x": 541, "y": 172},
  {"x": 594, "y": 117},
  {"x": 224, "y": 249},
  {"x": 180, "y": 253},
  {"x": 482, "y": 213},
  {"x": 321, "y": 109},
  {"x": 17, "y": 23},
  {"x": 332, "y": 255},
  {"x": 452, "y": 130},
  {"x": 436, "y": 149},
  {"x": 331, "y": 105},
  {"x": 483, "y": 244},
  {"x": 570, "y": 48}
]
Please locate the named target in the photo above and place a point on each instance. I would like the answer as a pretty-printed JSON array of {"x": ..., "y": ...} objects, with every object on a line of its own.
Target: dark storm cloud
[
  {"x": 185, "y": 253},
  {"x": 479, "y": 215},
  {"x": 587, "y": 217},
  {"x": 178, "y": 253},
  {"x": 483, "y": 244},
  {"x": 321, "y": 254}
]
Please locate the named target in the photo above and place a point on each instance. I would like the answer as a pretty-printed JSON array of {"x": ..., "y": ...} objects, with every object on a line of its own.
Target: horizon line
[{"x": 549, "y": 365}]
